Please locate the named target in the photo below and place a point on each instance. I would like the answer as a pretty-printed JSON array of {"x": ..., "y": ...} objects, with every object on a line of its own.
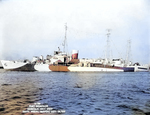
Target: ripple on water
[{"x": 77, "y": 93}]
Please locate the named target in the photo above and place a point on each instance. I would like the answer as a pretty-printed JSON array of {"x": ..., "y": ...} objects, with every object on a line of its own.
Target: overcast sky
[{"x": 37, "y": 27}]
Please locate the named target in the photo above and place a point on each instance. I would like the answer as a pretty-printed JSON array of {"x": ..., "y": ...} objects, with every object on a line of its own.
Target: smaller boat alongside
[
  {"x": 140, "y": 68},
  {"x": 17, "y": 65}
]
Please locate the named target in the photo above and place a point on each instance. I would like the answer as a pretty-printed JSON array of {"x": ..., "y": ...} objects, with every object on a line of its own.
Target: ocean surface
[{"x": 126, "y": 93}]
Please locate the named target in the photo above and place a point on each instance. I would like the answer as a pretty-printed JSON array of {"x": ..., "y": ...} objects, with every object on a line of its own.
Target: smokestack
[{"x": 74, "y": 54}]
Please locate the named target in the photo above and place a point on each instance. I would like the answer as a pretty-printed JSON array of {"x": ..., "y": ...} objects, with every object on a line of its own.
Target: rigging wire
[{"x": 120, "y": 54}]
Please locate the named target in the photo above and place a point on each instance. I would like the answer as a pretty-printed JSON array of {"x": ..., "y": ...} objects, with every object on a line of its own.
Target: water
[{"x": 78, "y": 93}]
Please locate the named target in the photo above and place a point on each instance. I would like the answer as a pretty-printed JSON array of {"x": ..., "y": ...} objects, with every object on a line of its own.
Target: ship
[
  {"x": 61, "y": 62},
  {"x": 17, "y": 65},
  {"x": 71, "y": 63}
]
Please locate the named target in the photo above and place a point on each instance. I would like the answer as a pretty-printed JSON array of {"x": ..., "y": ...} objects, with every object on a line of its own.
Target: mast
[
  {"x": 128, "y": 53},
  {"x": 108, "y": 45},
  {"x": 65, "y": 40}
]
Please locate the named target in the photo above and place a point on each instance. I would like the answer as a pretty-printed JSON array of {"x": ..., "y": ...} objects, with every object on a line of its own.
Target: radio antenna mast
[
  {"x": 65, "y": 40},
  {"x": 128, "y": 54},
  {"x": 108, "y": 45}
]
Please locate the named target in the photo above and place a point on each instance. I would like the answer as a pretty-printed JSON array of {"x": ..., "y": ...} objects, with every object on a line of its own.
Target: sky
[{"x": 37, "y": 27}]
